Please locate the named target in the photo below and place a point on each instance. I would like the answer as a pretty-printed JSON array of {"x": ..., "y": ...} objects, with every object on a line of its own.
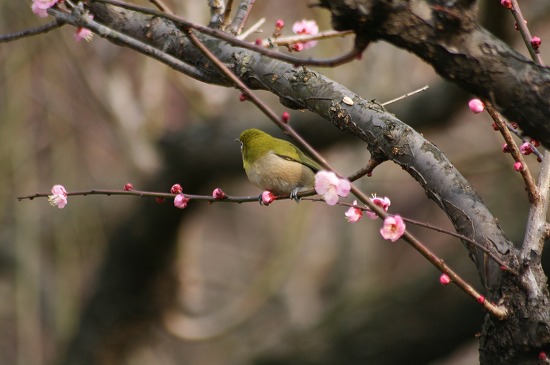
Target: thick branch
[{"x": 446, "y": 35}]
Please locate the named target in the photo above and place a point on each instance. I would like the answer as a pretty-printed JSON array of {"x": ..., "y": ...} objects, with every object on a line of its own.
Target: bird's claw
[
  {"x": 261, "y": 201},
  {"x": 294, "y": 195}
]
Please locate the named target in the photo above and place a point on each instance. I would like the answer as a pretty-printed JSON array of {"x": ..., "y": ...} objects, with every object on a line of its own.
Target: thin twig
[
  {"x": 162, "y": 6},
  {"x": 424, "y": 88},
  {"x": 146, "y": 194},
  {"x": 302, "y": 38},
  {"x": 253, "y": 28},
  {"x": 524, "y": 31},
  {"x": 464, "y": 238},
  {"x": 31, "y": 31},
  {"x": 532, "y": 190},
  {"x": 356, "y": 52},
  {"x": 367, "y": 170}
]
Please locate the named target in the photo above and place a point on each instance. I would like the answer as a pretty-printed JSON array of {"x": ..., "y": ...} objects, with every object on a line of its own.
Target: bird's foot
[
  {"x": 261, "y": 200},
  {"x": 294, "y": 195}
]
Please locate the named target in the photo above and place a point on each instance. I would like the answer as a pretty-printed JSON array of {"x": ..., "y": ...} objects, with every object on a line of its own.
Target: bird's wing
[{"x": 301, "y": 158}]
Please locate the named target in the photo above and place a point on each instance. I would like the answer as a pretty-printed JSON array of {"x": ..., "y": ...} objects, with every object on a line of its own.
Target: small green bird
[{"x": 275, "y": 164}]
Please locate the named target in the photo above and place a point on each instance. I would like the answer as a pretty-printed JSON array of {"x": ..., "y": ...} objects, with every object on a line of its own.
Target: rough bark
[{"x": 447, "y": 36}]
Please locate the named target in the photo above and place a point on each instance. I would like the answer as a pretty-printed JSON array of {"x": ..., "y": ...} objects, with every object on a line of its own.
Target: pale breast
[{"x": 278, "y": 175}]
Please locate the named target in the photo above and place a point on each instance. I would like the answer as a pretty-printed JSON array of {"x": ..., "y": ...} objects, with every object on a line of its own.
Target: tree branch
[{"x": 447, "y": 36}]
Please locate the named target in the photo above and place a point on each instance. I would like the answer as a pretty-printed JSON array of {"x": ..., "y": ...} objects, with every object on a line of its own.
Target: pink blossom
[
  {"x": 331, "y": 186},
  {"x": 267, "y": 197},
  {"x": 218, "y": 194},
  {"x": 180, "y": 201},
  {"x": 279, "y": 24},
  {"x": 40, "y": 7},
  {"x": 297, "y": 47},
  {"x": 128, "y": 187},
  {"x": 84, "y": 33},
  {"x": 535, "y": 43},
  {"x": 444, "y": 279},
  {"x": 476, "y": 106},
  {"x": 518, "y": 166},
  {"x": 354, "y": 214},
  {"x": 393, "y": 228},
  {"x": 526, "y": 148},
  {"x": 305, "y": 27},
  {"x": 383, "y": 203},
  {"x": 176, "y": 189},
  {"x": 58, "y": 197}
]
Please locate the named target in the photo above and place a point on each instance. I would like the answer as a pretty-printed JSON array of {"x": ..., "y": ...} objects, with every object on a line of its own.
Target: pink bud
[
  {"x": 481, "y": 299},
  {"x": 505, "y": 148},
  {"x": 506, "y": 3},
  {"x": 180, "y": 201},
  {"x": 518, "y": 166},
  {"x": 285, "y": 117},
  {"x": 526, "y": 148},
  {"x": 535, "y": 43},
  {"x": 243, "y": 97},
  {"x": 218, "y": 194},
  {"x": 476, "y": 106},
  {"x": 128, "y": 187},
  {"x": 267, "y": 197},
  {"x": 159, "y": 199},
  {"x": 176, "y": 189},
  {"x": 354, "y": 214},
  {"x": 279, "y": 24},
  {"x": 297, "y": 47},
  {"x": 444, "y": 279},
  {"x": 542, "y": 356},
  {"x": 258, "y": 42},
  {"x": 535, "y": 143}
]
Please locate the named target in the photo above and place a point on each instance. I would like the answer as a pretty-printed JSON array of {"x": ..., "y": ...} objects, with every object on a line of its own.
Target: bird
[{"x": 276, "y": 165}]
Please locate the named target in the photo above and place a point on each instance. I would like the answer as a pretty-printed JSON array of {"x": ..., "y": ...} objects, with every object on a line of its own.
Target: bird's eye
[{"x": 242, "y": 145}]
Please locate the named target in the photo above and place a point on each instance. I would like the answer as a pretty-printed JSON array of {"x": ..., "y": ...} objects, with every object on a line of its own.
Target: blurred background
[{"x": 124, "y": 280}]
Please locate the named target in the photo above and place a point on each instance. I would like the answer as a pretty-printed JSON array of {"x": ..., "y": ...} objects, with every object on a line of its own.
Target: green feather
[
  {"x": 256, "y": 143},
  {"x": 275, "y": 164}
]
